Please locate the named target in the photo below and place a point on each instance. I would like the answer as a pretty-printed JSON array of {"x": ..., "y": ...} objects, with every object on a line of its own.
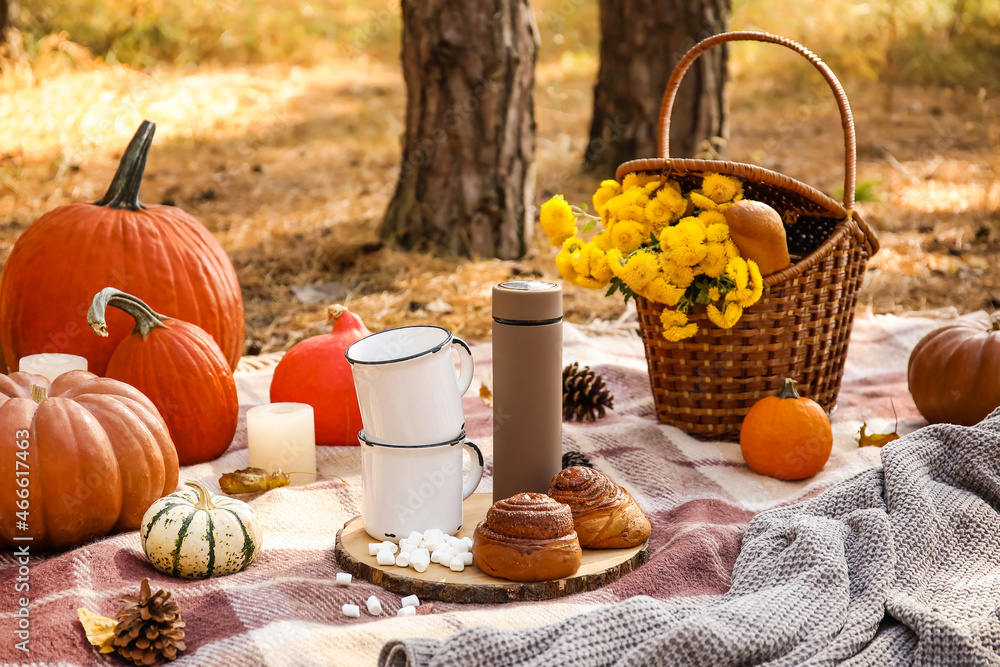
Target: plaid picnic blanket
[{"x": 286, "y": 610}]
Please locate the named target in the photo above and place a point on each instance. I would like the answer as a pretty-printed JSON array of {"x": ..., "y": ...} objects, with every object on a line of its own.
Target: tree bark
[
  {"x": 467, "y": 176},
  {"x": 641, "y": 41}
]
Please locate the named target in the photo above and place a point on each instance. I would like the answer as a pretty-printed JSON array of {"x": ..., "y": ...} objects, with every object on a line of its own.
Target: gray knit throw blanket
[{"x": 899, "y": 565}]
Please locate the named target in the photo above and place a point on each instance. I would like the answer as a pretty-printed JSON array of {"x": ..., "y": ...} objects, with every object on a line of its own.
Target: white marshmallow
[
  {"x": 422, "y": 553},
  {"x": 374, "y": 606},
  {"x": 467, "y": 540},
  {"x": 461, "y": 548},
  {"x": 410, "y": 601},
  {"x": 406, "y": 611},
  {"x": 373, "y": 548},
  {"x": 466, "y": 557},
  {"x": 420, "y": 563},
  {"x": 406, "y": 545},
  {"x": 446, "y": 558},
  {"x": 351, "y": 610},
  {"x": 403, "y": 559},
  {"x": 433, "y": 533},
  {"x": 385, "y": 558},
  {"x": 457, "y": 565},
  {"x": 436, "y": 556},
  {"x": 414, "y": 537},
  {"x": 388, "y": 546},
  {"x": 343, "y": 578}
]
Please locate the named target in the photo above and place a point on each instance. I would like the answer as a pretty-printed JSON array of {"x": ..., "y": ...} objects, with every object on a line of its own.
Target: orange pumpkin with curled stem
[
  {"x": 182, "y": 371},
  {"x": 786, "y": 436},
  {"x": 80, "y": 457},
  {"x": 954, "y": 372}
]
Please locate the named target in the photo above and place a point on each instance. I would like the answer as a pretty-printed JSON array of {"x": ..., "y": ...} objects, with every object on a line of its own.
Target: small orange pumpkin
[
  {"x": 786, "y": 436},
  {"x": 954, "y": 372},
  {"x": 182, "y": 371}
]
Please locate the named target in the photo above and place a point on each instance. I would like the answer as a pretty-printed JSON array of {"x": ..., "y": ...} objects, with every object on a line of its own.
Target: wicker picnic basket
[{"x": 801, "y": 326}]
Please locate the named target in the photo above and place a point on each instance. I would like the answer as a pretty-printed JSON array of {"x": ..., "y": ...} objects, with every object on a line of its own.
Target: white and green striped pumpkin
[{"x": 193, "y": 534}]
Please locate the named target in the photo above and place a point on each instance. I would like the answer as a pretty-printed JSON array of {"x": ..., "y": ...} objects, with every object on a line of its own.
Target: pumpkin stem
[
  {"x": 146, "y": 319},
  {"x": 788, "y": 391},
  {"x": 334, "y": 312},
  {"x": 995, "y": 321},
  {"x": 204, "y": 496},
  {"x": 124, "y": 190},
  {"x": 39, "y": 394}
]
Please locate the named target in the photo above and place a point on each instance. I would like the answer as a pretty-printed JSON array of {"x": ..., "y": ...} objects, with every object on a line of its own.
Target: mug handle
[
  {"x": 475, "y": 471},
  {"x": 465, "y": 357}
]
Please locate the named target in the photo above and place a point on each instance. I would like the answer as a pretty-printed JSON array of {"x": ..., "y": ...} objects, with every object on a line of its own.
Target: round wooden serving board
[{"x": 600, "y": 567}]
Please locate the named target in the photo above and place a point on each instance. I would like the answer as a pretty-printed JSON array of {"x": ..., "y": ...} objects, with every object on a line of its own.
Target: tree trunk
[
  {"x": 641, "y": 41},
  {"x": 467, "y": 177}
]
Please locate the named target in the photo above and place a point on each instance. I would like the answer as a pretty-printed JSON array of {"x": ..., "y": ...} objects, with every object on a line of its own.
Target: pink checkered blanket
[{"x": 286, "y": 610}]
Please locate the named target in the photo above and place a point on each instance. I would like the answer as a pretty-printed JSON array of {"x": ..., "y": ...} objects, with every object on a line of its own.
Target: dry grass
[{"x": 291, "y": 166}]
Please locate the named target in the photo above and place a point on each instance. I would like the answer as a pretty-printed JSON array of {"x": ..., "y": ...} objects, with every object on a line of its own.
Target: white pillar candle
[
  {"x": 51, "y": 364},
  {"x": 282, "y": 436}
]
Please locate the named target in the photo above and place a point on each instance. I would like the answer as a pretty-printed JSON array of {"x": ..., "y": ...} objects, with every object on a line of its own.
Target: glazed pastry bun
[
  {"x": 605, "y": 515},
  {"x": 527, "y": 537}
]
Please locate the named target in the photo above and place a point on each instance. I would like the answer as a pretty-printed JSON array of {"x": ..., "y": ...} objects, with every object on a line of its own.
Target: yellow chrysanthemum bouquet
[{"x": 660, "y": 243}]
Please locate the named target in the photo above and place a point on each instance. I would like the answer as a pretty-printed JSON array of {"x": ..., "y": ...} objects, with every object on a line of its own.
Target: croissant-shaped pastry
[
  {"x": 527, "y": 537},
  {"x": 605, "y": 515}
]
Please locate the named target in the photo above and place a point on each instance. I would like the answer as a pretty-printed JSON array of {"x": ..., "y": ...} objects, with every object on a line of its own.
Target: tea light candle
[
  {"x": 51, "y": 364},
  {"x": 282, "y": 436}
]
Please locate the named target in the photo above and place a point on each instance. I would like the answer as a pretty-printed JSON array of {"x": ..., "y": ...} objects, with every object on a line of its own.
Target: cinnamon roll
[{"x": 604, "y": 514}]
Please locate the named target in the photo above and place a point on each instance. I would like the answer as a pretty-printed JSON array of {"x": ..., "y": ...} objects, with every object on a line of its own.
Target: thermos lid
[{"x": 527, "y": 301}]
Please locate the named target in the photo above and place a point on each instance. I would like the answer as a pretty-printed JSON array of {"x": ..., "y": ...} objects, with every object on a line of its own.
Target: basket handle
[{"x": 847, "y": 120}]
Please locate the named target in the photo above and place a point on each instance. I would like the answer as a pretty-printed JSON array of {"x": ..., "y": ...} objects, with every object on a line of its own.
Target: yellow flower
[
  {"x": 639, "y": 269},
  {"x": 633, "y": 212},
  {"x": 751, "y": 293},
  {"x": 724, "y": 319},
  {"x": 709, "y": 218},
  {"x": 702, "y": 202},
  {"x": 682, "y": 276},
  {"x": 572, "y": 244},
  {"x": 667, "y": 206},
  {"x": 591, "y": 264},
  {"x": 616, "y": 262},
  {"x": 688, "y": 255},
  {"x": 720, "y": 188},
  {"x": 676, "y": 326},
  {"x": 608, "y": 189},
  {"x": 564, "y": 263},
  {"x": 714, "y": 294},
  {"x": 558, "y": 220},
  {"x": 627, "y": 235},
  {"x": 717, "y": 233},
  {"x": 689, "y": 231},
  {"x": 660, "y": 290},
  {"x": 715, "y": 261},
  {"x": 739, "y": 272},
  {"x": 732, "y": 250},
  {"x": 602, "y": 240},
  {"x": 638, "y": 180}
]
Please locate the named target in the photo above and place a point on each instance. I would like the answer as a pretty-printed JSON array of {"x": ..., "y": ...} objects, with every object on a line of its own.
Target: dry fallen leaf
[
  {"x": 485, "y": 394},
  {"x": 252, "y": 480},
  {"x": 99, "y": 630},
  {"x": 875, "y": 439}
]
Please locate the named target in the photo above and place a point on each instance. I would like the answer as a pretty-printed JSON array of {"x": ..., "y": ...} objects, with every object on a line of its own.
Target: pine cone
[
  {"x": 571, "y": 459},
  {"x": 584, "y": 395},
  {"x": 149, "y": 629}
]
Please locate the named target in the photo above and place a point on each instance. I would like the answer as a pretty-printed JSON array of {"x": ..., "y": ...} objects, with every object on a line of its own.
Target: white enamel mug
[
  {"x": 406, "y": 488},
  {"x": 406, "y": 384}
]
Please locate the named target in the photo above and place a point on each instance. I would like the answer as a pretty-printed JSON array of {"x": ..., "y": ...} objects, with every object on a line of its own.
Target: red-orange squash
[
  {"x": 80, "y": 457},
  {"x": 786, "y": 436},
  {"x": 315, "y": 371},
  {"x": 159, "y": 253},
  {"x": 182, "y": 371},
  {"x": 954, "y": 372}
]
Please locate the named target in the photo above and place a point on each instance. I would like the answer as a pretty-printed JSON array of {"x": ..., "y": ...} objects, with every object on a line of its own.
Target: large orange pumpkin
[
  {"x": 954, "y": 372},
  {"x": 80, "y": 457},
  {"x": 180, "y": 368},
  {"x": 159, "y": 253}
]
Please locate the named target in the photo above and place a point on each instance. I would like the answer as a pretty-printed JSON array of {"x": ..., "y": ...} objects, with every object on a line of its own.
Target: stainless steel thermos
[{"x": 527, "y": 386}]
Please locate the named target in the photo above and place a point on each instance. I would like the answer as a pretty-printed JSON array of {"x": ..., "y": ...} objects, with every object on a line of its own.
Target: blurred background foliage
[{"x": 922, "y": 42}]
